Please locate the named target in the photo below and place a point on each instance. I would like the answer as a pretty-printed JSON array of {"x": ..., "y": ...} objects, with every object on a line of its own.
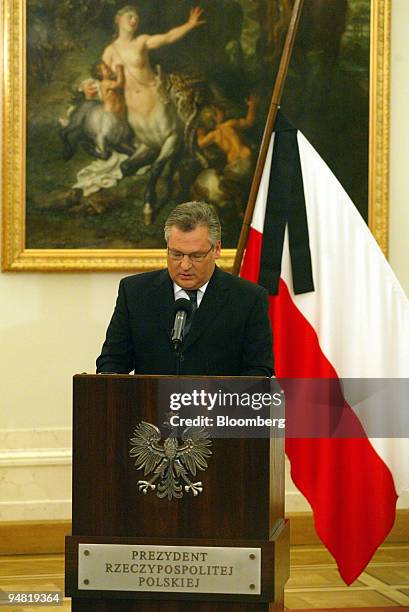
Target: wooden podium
[{"x": 242, "y": 503}]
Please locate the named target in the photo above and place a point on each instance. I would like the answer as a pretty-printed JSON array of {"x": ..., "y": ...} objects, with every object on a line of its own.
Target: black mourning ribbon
[
  {"x": 192, "y": 295},
  {"x": 285, "y": 206}
]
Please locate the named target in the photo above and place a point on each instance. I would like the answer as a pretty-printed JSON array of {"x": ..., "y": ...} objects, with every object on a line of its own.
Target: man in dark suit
[{"x": 229, "y": 331}]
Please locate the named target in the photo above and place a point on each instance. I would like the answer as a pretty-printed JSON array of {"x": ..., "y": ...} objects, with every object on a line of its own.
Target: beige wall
[{"x": 52, "y": 325}]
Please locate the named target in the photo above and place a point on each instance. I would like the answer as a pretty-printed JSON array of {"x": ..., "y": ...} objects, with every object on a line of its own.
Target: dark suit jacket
[{"x": 230, "y": 333}]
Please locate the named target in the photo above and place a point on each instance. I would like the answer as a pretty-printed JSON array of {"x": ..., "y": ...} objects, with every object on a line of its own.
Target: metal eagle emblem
[{"x": 169, "y": 461}]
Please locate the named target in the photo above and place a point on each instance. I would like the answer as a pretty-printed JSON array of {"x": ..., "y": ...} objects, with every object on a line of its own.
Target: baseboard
[
  {"x": 35, "y": 537},
  {"x": 302, "y": 530}
]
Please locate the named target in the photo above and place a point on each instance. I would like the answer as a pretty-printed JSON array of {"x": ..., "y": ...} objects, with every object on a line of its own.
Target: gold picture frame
[{"x": 16, "y": 257}]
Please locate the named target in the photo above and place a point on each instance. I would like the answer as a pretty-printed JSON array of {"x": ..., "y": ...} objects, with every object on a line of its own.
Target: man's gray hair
[{"x": 190, "y": 215}]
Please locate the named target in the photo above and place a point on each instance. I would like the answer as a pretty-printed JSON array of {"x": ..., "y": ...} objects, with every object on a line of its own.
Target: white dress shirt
[{"x": 181, "y": 293}]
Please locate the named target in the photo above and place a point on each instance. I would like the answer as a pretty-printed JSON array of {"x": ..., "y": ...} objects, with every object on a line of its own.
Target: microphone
[{"x": 182, "y": 308}]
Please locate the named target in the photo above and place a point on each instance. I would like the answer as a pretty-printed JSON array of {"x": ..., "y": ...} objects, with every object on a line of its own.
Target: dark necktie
[{"x": 193, "y": 300}]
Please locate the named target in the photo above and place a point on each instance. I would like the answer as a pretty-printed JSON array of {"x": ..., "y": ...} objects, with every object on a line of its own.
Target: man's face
[{"x": 186, "y": 272}]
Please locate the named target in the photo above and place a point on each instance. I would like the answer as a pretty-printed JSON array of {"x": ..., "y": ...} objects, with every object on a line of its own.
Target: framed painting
[{"x": 115, "y": 113}]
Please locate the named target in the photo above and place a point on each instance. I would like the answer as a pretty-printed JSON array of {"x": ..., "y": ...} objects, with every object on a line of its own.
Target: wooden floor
[{"x": 314, "y": 582}]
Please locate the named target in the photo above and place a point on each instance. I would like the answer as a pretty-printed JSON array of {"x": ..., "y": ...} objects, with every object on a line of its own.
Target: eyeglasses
[{"x": 194, "y": 257}]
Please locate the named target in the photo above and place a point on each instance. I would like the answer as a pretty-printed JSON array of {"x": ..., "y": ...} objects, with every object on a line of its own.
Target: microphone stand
[{"x": 179, "y": 359}]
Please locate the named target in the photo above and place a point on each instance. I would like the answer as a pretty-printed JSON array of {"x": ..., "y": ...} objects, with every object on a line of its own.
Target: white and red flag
[{"x": 337, "y": 311}]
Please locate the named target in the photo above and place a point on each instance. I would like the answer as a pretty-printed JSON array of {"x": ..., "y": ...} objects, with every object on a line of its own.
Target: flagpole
[{"x": 271, "y": 117}]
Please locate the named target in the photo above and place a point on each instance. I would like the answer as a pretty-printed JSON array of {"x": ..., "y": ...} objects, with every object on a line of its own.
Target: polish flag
[{"x": 339, "y": 312}]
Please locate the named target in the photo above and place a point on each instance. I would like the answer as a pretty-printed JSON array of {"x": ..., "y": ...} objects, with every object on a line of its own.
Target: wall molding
[
  {"x": 35, "y": 474},
  {"x": 45, "y": 437},
  {"x": 23, "y": 457}
]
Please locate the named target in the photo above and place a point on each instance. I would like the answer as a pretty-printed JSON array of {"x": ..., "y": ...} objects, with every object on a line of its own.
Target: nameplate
[{"x": 169, "y": 569}]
